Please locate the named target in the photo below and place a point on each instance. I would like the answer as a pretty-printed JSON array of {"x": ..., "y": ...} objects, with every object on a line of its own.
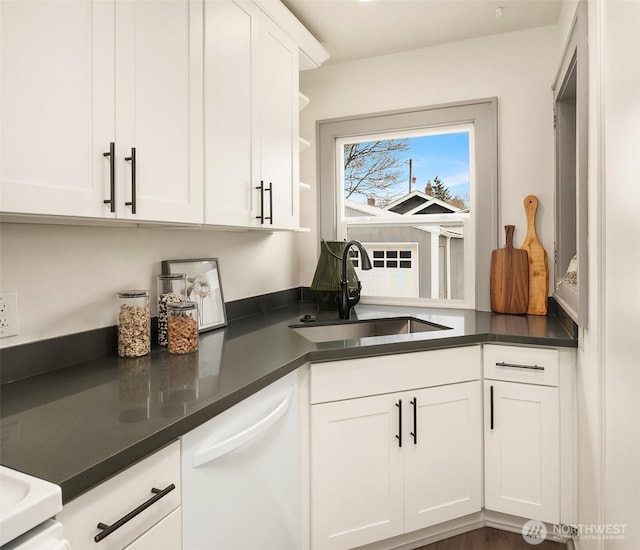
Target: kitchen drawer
[
  {"x": 521, "y": 364},
  {"x": 337, "y": 380},
  {"x": 165, "y": 534},
  {"x": 115, "y": 498}
]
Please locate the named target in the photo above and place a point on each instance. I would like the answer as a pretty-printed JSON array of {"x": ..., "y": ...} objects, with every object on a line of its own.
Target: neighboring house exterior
[{"x": 411, "y": 260}]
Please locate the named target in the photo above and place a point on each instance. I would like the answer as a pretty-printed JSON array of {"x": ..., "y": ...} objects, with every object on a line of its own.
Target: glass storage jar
[
  {"x": 134, "y": 323},
  {"x": 171, "y": 289},
  {"x": 183, "y": 327}
]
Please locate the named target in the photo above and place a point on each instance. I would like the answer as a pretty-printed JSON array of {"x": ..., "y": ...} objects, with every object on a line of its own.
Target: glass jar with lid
[
  {"x": 171, "y": 289},
  {"x": 182, "y": 324},
  {"x": 134, "y": 323}
]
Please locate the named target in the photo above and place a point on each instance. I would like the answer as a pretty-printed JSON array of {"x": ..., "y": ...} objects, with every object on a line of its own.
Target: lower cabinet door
[
  {"x": 356, "y": 472},
  {"x": 522, "y": 457},
  {"x": 443, "y": 454},
  {"x": 165, "y": 534}
]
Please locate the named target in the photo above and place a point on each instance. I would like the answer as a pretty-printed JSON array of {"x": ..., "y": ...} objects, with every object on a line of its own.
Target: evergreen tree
[{"x": 440, "y": 190}]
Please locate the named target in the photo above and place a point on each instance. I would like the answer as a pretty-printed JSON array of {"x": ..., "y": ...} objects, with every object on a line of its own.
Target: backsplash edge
[{"x": 35, "y": 358}]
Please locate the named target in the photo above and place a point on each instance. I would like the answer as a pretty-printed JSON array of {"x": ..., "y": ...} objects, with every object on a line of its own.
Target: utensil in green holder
[{"x": 326, "y": 279}]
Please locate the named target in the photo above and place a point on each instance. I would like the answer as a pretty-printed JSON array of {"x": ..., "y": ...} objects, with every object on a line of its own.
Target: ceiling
[{"x": 356, "y": 29}]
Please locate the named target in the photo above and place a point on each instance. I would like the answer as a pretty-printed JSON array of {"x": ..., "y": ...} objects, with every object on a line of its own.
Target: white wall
[
  {"x": 516, "y": 67},
  {"x": 621, "y": 260},
  {"x": 67, "y": 276},
  {"x": 590, "y": 361},
  {"x": 608, "y": 374}
]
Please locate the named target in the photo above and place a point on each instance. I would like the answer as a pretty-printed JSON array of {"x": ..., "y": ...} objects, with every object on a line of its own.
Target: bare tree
[{"x": 373, "y": 169}]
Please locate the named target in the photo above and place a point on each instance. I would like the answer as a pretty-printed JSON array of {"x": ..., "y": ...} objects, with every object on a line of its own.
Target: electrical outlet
[{"x": 8, "y": 313}]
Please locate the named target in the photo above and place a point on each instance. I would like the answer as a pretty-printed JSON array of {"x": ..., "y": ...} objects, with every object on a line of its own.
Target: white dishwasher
[{"x": 241, "y": 475}]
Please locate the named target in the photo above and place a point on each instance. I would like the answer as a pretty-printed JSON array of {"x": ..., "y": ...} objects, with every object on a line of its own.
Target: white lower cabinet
[
  {"x": 167, "y": 534},
  {"x": 522, "y": 470},
  {"x": 387, "y": 464},
  {"x": 155, "y": 481},
  {"x": 357, "y": 475},
  {"x": 443, "y": 463},
  {"x": 528, "y": 432}
]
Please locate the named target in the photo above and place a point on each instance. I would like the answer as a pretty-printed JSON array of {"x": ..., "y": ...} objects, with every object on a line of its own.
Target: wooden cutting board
[
  {"x": 509, "y": 285},
  {"x": 538, "y": 265}
]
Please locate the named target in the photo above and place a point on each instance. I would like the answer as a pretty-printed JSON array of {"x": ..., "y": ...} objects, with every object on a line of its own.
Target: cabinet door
[
  {"x": 356, "y": 472},
  {"x": 159, "y": 109},
  {"x": 57, "y": 116},
  {"x": 522, "y": 458},
  {"x": 279, "y": 124},
  {"x": 231, "y": 116},
  {"x": 443, "y": 462},
  {"x": 167, "y": 533}
]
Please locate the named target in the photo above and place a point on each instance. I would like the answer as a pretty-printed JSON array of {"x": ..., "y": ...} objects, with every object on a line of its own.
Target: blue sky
[{"x": 442, "y": 155}]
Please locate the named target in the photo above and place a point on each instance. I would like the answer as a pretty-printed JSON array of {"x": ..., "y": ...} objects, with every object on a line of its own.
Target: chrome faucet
[{"x": 346, "y": 301}]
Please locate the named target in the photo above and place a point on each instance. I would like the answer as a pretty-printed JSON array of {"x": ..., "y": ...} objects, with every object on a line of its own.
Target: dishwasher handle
[{"x": 217, "y": 450}]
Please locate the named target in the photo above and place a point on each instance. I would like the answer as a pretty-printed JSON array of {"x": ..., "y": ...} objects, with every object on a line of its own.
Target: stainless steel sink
[{"x": 351, "y": 330}]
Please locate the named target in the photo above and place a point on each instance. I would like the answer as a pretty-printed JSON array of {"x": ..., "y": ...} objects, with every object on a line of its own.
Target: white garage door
[{"x": 395, "y": 269}]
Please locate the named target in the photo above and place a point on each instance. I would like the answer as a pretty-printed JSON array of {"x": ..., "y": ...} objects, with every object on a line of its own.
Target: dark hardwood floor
[{"x": 488, "y": 538}]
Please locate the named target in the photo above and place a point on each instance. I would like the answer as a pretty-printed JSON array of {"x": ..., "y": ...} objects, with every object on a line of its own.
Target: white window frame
[{"x": 482, "y": 114}]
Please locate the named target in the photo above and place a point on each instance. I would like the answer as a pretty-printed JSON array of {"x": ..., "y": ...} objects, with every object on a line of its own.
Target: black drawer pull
[
  {"x": 491, "y": 396},
  {"x": 132, "y": 160},
  {"x": 414, "y": 433},
  {"x": 106, "y": 530},
  {"x": 111, "y": 155},
  {"x": 399, "y": 436},
  {"x": 516, "y": 366},
  {"x": 270, "y": 190},
  {"x": 261, "y": 188}
]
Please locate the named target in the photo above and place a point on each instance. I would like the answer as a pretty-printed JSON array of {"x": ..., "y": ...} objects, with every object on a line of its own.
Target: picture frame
[{"x": 204, "y": 286}]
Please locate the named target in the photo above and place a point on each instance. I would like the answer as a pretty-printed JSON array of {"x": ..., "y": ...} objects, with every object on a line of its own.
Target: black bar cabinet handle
[
  {"x": 491, "y": 403},
  {"x": 517, "y": 366},
  {"x": 261, "y": 187},
  {"x": 106, "y": 530},
  {"x": 270, "y": 190},
  {"x": 399, "y": 436},
  {"x": 414, "y": 433},
  {"x": 132, "y": 159},
  {"x": 112, "y": 176}
]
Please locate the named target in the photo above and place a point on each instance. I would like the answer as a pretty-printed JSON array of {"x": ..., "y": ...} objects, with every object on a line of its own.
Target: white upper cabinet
[
  {"x": 79, "y": 76},
  {"x": 159, "y": 110},
  {"x": 251, "y": 118},
  {"x": 231, "y": 36},
  {"x": 179, "y": 111},
  {"x": 58, "y": 106},
  {"x": 279, "y": 127}
]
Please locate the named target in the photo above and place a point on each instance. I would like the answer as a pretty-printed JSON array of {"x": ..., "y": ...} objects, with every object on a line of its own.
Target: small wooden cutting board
[
  {"x": 509, "y": 285},
  {"x": 538, "y": 265}
]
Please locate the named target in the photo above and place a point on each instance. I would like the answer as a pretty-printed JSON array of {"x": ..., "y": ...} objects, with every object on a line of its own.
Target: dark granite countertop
[{"x": 79, "y": 425}]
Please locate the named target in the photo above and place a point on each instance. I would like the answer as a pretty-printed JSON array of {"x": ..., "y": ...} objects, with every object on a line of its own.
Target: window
[
  {"x": 387, "y": 201},
  {"x": 418, "y": 188}
]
